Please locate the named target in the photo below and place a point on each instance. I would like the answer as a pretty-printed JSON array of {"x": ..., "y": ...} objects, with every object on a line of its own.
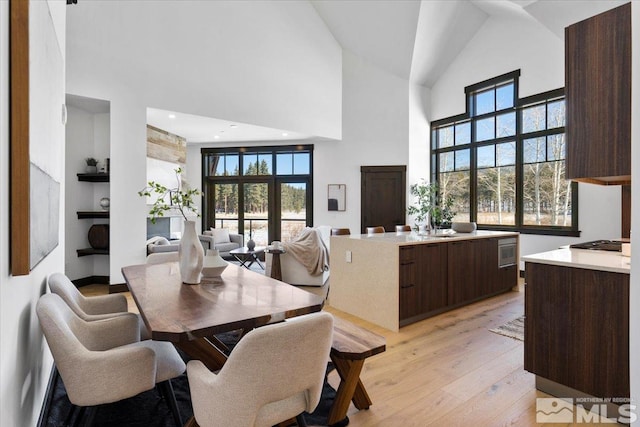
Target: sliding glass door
[
  {"x": 256, "y": 213},
  {"x": 293, "y": 209},
  {"x": 261, "y": 192}
]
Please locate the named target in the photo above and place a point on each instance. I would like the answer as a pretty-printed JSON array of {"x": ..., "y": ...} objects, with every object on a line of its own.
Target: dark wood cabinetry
[
  {"x": 473, "y": 271},
  {"x": 437, "y": 277},
  {"x": 463, "y": 282},
  {"x": 423, "y": 279},
  {"x": 577, "y": 328},
  {"x": 410, "y": 298},
  {"x": 598, "y": 98}
]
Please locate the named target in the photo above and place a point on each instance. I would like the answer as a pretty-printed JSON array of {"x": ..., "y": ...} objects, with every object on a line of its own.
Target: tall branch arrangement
[
  {"x": 430, "y": 204},
  {"x": 179, "y": 199}
]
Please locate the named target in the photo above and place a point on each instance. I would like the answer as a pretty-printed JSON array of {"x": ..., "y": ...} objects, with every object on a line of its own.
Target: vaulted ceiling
[{"x": 416, "y": 40}]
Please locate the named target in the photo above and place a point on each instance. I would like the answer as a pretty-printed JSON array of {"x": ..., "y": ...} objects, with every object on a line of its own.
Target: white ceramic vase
[
  {"x": 191, "y": 255},
  {"x": 213, "y": 265}
]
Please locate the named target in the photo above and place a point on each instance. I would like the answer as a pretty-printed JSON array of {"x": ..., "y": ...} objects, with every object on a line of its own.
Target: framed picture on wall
[{"x": 337, "y": 197}]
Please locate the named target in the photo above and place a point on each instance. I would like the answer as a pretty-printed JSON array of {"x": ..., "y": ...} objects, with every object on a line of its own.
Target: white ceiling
[
  {"x": 412, "y": 39},
  {"x": 94, "y": 106},
  {"x": 198, "y": 129}
]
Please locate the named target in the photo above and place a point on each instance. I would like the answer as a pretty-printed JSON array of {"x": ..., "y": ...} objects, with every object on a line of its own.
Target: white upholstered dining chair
[
  {"x": 274, "y": 373},
  {"x": 91, "y": 308},
  {"x": 103, "y": 361}
]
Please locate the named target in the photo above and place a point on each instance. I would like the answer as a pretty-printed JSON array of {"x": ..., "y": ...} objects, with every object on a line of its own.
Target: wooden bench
[{"x": 351, "y": 346}]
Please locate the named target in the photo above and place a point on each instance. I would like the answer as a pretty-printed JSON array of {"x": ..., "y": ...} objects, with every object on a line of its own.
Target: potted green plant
[
  {"x": 170, "y": 198},
  {"x": 430, "y": 205},
  {"x": 191, "y": 252},
  {"x": 92, "y": 165}
]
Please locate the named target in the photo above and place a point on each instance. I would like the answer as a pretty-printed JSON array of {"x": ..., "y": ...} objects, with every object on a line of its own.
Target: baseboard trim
[
  {"x": 48, "y": 397},
  {"x": 91, "y": 280},
  {"x": 117, "y": 288}
]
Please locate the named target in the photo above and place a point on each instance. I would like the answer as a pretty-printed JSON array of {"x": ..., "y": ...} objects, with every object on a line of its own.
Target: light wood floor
[{"x": 445, "y": 371}]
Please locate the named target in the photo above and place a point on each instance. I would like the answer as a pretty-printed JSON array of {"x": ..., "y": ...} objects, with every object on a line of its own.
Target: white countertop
[
  {"x": 411, "y": 238},
  {"x": 583, "y": 258}
]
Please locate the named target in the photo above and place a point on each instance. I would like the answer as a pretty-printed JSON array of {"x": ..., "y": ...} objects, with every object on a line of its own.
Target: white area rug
[{"x": 513, "y": 329}]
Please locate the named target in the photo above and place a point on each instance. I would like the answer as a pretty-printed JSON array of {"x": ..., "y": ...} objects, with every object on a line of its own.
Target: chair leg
[
  {"x": 73, "y": 411},
  {"x": 301, "y": 421},
  {"x": 85, "y": 416},
  {"x": 166, "y": 389},
  {"x": 90, "y": 414},
  {"x": 79, "y": 411}
]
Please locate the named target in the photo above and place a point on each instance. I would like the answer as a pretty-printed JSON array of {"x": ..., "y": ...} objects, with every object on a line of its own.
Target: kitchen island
[
  {"x": 577, "y": 323},
  {"x": 394, "y": 279}
]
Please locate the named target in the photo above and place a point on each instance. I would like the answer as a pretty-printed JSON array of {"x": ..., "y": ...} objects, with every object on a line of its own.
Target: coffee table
[{"x": 247, "y": 257}]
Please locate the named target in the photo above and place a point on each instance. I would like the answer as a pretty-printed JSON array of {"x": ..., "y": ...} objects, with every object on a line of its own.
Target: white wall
[
  {"x": 25, "y": 363},
  {"x": 87, "y": 135},
  {"x": 375, "y": 132},
  {"x": 238, "y": 61},
  {"x": 419, "y": 139},
  {"x": 503, "y": 45}
]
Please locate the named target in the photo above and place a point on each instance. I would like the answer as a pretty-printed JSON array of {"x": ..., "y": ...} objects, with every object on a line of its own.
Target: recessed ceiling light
[
  {"x": 172, "y": 116},
  {"x": 233, "y": 126},
  {"x": 285, "y": 134},
  {"x": 216, "y": 137}
]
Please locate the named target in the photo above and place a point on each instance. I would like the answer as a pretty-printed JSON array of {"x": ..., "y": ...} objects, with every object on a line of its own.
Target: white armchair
[{"x": 296, "y": 273}]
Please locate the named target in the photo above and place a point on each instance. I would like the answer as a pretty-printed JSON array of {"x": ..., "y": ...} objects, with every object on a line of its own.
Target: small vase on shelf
[
  {"x": 191, "y": 255},
  {"x": 104, "y": 203}
]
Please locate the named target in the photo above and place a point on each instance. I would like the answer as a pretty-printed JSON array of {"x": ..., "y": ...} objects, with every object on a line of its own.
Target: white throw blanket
[{"x": 309, "y": 249}]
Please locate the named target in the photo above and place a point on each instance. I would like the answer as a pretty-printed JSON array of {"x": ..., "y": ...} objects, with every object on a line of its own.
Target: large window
[
  {"x": 262, "y": 192},
  {"x": 503, "y": 161}
]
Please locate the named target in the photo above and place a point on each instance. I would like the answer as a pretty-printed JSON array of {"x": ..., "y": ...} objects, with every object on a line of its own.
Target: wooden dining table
[{"x": 190, "y": 315}]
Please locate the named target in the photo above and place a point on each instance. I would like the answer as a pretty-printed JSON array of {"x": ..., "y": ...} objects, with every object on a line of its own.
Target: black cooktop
[{"x": 600, "y": 245}]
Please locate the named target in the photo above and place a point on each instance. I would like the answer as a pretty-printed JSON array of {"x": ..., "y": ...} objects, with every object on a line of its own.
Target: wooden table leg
[
  {"x": 361, "y": 398},
  {"x": 276, "y": 269},
  {"x": 349, "y": 372},
  {"x": 202, "y": 349}
]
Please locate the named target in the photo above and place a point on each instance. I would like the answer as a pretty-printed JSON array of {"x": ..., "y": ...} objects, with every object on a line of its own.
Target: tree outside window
[{"x": 503, "y": 161}]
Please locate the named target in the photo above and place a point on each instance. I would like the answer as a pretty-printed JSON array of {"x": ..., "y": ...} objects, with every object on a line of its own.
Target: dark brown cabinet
[
  {"x": 439, "y": 276},
  {"x": 432, "y": 276},
  {"x": 423, "y": 285},
  {"x": 598, "y": 98},
  {"x": 463, "y": 280},
  {"x": 577, "y": 328},
  {"x": 473, "y": 271},
  {"x": 410, "y": 298}
]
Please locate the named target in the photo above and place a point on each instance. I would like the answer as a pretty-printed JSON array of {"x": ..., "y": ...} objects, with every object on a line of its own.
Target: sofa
[
  {"x": 221, "y": 240},
  {"x": 294, "y": 272},
  {"x": 159, "y": 244}
]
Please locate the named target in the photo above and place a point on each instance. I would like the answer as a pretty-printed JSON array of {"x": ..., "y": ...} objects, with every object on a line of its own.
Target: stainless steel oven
[{"x": 507, "y": 252}]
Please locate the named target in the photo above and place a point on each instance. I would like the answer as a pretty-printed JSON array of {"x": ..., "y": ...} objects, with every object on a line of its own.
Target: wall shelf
[
  {"x": 91, "y": 251},
  {"x": 93, "y": 177},
  {"x": 93, "y": 214}
]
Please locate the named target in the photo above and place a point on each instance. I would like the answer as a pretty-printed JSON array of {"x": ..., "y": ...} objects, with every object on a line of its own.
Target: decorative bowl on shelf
[{"x": 213, "y": 264}]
